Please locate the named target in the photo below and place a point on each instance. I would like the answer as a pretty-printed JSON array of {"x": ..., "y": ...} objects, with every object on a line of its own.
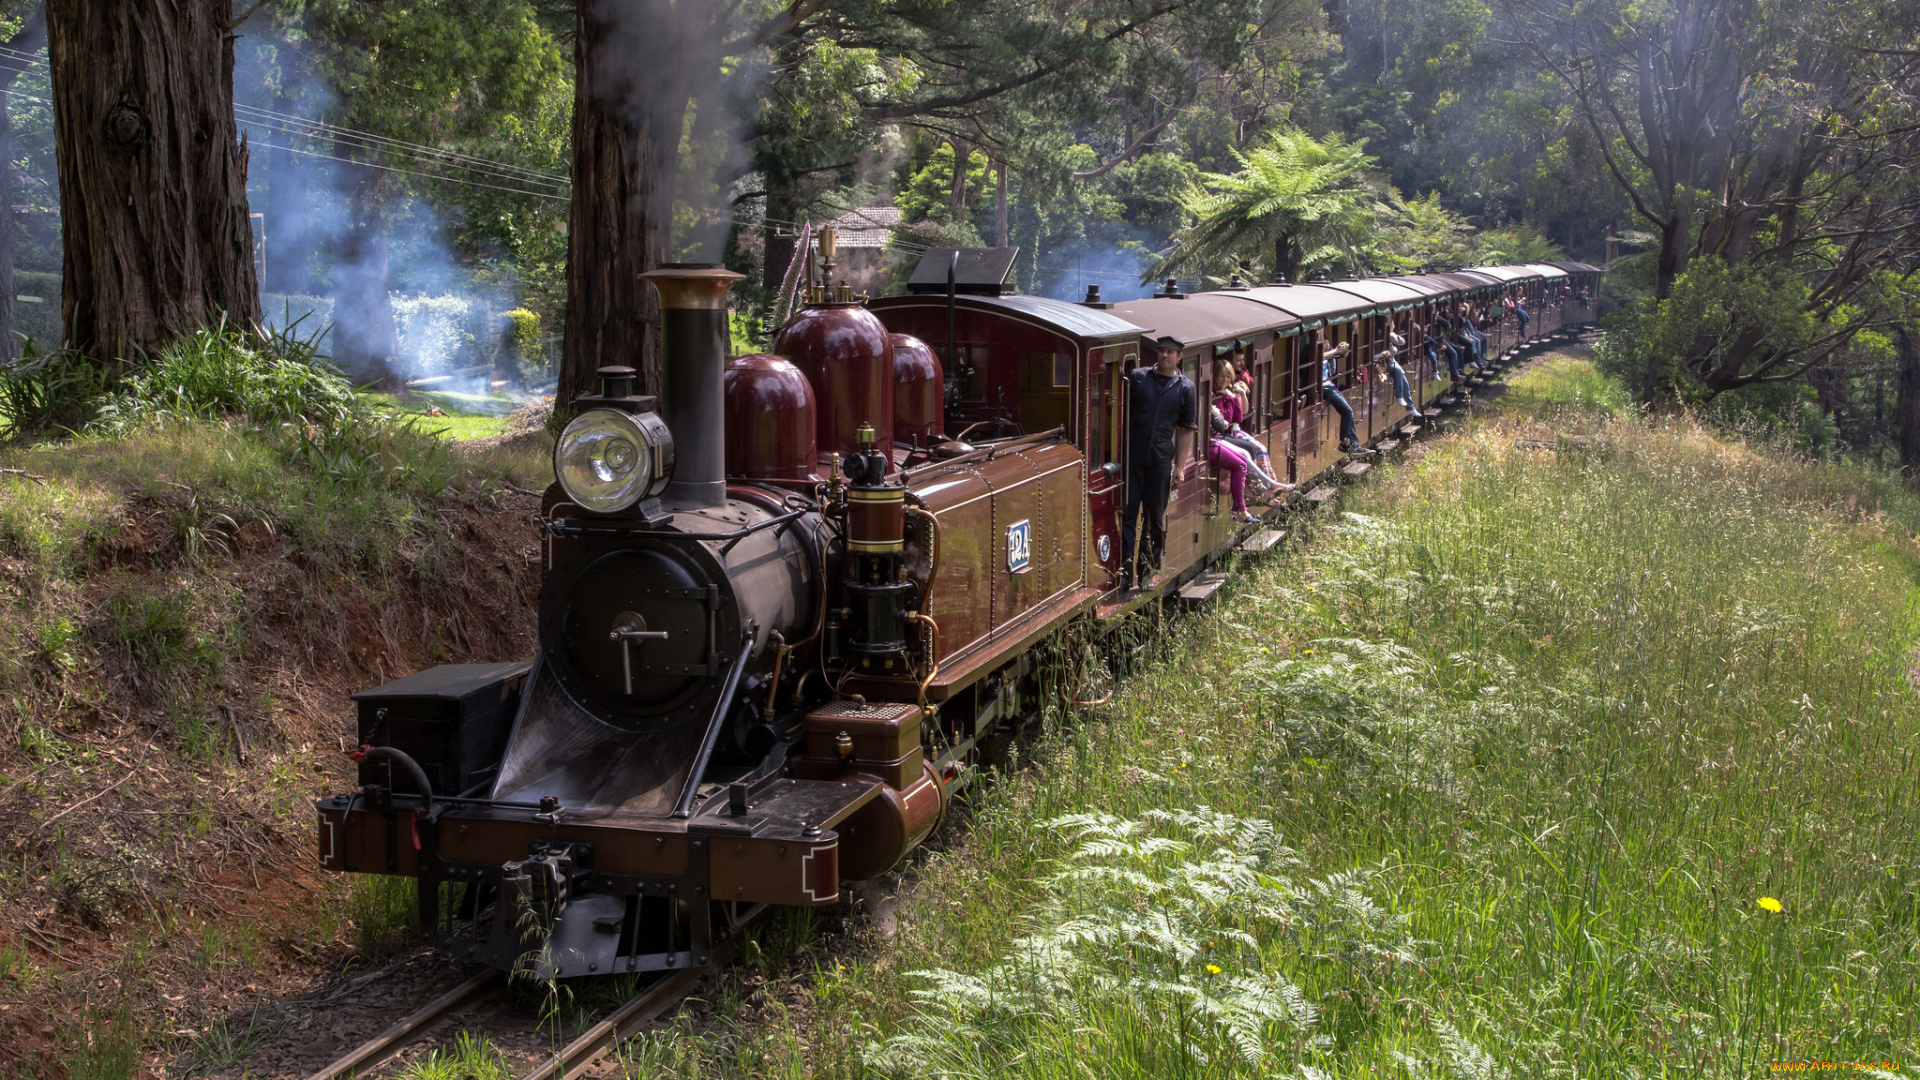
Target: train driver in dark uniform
[{"x": 1162, "y": 418}]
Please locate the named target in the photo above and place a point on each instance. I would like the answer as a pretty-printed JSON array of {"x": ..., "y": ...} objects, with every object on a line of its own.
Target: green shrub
[
  {"x": 47, "y": 392},
  {"x": 279, "y": 378},
  {"x": 160, "y": 631}
]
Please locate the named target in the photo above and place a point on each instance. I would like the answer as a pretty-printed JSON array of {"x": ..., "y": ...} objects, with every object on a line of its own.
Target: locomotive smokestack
[{"x": 693, "y": 355}]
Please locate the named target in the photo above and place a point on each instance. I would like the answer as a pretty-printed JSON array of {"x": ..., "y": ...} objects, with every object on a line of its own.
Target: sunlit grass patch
[
  {"x": 453, "y": 415},
  {"x": 1564, "y": 385}
]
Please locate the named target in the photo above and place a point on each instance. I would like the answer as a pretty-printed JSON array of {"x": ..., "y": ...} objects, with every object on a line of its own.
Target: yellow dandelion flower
[
  {"x": 1770, "y": 904},
  {"x": 1213, "y": 969}
]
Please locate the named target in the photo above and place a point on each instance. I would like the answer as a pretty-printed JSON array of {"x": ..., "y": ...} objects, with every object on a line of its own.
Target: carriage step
[
  {"x": 1321, "y": 494},
  {"x": 1355, "y": 468},
  {"x": 1262, "y": 540},
  {"x": 1202, "y": 588},
  {"x": 1387, "y": 446},
  {"x": 1410, "y": 430}
]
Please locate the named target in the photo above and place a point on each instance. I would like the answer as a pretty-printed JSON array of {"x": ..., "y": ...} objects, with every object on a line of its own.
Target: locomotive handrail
[
  {"x": 987, "y": 452},
  {"x": 683, "y": 806},
  {"x": 731, "y": 538}
]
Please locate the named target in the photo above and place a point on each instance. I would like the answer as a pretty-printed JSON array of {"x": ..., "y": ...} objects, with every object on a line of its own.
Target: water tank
[
  {"x": 848, "y": 358},
  {"x": 919, "y": 393},
  {"x": 770, "y": 419}
]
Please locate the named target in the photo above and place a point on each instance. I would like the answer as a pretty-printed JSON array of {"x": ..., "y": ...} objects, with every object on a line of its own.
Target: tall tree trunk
[
  {"x": 962, "y": 155},
  {"x": 629, "y": 104},
  {"x": 1907, "y": 408},
  {"x": 1668, "y": 264},
  {"x": 1000, "y": 205},
  {"x": 31, "y": 37},
  {"x": 153, "y": 178},
  {"x": 780, "y": 239}
]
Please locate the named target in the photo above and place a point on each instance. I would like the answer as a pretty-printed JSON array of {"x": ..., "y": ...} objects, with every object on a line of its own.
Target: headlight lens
[{"x": 603, "y": 461}]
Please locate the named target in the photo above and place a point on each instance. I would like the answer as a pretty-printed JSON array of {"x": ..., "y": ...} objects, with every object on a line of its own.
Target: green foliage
[
  {"x": 1309, "y": 194},
  {"x": 525, "y": 330},
  {"x": 50, "y": 392},
  {"x": 280, "y": 378},
  {"x": 1413, "y": 233},
  {"x": 471, "y": 1057},
  {"x": 382, "y": 912},
  {"x": 109, "y": 1048},
  {"x": 161, "y": 631},
  {"x": 1186, "y": 923},
  {"x": 928, "y": 196},
  {"x": 1755, "y": 316}
]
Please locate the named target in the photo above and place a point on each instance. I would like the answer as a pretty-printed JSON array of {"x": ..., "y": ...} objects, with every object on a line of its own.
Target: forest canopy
[{"x": 396, "y": 171}]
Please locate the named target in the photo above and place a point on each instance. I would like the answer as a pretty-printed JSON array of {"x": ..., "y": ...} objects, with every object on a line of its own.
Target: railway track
[{"x": 655, "y": 1000}]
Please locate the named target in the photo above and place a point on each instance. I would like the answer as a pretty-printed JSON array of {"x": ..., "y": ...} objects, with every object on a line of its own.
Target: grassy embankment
[
  {"x": 1580, "y": 760},
  {"x": 190, "y": 590}
]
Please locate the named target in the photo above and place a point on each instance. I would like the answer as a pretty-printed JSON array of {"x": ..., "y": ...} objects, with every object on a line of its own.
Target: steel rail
[
  {"x": 389, "y": 1042},
  {"x": 650, "y": 1004}
]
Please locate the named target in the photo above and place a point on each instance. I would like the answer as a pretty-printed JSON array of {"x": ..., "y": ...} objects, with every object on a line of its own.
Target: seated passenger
[
  {"x": 1441, "y": 332},
  {"x": 1231, "y": 412},
  {"x": 1235, "y": 463}
]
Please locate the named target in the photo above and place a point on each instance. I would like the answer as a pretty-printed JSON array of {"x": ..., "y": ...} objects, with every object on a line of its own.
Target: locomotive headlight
[{"x": 608, "y": 460}]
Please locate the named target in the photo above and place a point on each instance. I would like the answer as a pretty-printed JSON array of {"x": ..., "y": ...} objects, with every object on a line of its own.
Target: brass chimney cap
[{"x": 692, "y": 288}]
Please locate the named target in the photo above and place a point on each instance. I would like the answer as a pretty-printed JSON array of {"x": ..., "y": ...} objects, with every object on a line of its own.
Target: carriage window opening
[{"x": 1045, "y": 402}]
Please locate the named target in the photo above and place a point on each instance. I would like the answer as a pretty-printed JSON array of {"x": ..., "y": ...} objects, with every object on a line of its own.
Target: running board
[
  {"x": 1262, "y": 540},
  {"x": 1201, "y": 589}
]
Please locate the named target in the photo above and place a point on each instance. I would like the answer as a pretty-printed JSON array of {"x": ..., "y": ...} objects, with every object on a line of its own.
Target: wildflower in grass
[
  {"x": 1213, "y": 969},
  {"x": 1770, "y": 904}
]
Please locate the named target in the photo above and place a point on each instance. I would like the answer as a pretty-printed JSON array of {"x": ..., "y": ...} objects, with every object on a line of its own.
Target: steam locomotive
[{"x": 787, "y": 600}]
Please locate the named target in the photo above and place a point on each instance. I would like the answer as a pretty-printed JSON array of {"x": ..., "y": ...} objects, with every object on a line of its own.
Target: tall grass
[{"x": 1534, "y": 731}]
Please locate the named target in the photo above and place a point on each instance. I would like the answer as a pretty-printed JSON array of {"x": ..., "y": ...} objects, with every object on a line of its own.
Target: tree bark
[
  {"x": 962, "y": 156},
  {"x": 31, "y": 37},
  {"x": 1000, "y": 205},
  {"x": 153, "y": 179},
  {"x": 1907, "y": 406},
  {"x": 629, "y": 104}
]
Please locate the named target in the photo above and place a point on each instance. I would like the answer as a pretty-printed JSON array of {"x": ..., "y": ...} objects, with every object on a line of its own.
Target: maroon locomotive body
[{"x": 788, "y": 600}]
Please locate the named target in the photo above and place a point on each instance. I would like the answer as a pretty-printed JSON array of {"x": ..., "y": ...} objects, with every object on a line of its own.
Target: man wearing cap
[{"x": 1162, "y": 417}]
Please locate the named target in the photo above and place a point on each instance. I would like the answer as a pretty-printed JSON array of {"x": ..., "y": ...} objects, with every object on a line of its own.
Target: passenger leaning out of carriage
[
  {"x": 1162, "y": 422},
  {"x": 1229, "y": 412},
  {"x": 1330, "y": 357},
  {"x": 1387, "y": 361},
  {"x": 1518, "y": 305}
]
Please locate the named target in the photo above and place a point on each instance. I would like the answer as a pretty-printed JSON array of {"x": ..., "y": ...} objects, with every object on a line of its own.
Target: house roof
[{"x": 867, "y": 227}]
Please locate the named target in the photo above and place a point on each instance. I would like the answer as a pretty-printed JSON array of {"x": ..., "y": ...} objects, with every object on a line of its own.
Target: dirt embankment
[{"x": 182, "y": 697}]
